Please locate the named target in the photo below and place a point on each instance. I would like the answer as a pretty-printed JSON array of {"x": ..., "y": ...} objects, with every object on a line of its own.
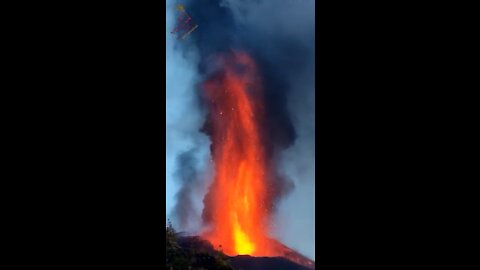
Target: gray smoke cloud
[
  {"x": 187, "y": 150},
  {"x": 280, "y": 35},
  {"x": 192, "y": 180}
]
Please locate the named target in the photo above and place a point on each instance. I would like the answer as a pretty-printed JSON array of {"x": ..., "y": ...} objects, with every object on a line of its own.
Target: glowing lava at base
[{"x": 237, "y": 201}]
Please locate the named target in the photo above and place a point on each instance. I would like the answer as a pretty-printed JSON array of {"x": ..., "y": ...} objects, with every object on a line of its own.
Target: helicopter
[{"x": 185, "y": 26}]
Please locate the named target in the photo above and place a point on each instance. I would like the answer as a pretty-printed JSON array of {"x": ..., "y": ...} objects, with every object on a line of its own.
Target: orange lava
[{"x": 238, "y": 192}]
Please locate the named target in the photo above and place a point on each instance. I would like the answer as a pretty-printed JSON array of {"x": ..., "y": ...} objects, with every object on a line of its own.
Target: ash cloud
[
  {"x": 189, "y": 176},
  {"x": 187, "y": 148},
  {"x": 280, "y": 36}
]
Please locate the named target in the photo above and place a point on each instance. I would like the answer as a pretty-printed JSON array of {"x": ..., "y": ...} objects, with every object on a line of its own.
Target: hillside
[{"x": 192, "y": 252}]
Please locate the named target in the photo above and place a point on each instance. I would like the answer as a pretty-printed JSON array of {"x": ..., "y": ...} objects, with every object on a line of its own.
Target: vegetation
[{"x": 179, "y": 258}]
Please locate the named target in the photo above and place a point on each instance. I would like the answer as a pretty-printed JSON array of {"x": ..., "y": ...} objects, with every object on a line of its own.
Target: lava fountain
[{"x": 237, "y": 203}]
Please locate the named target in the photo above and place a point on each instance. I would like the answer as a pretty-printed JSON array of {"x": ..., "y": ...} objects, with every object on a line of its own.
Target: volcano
[
  {"x": 240, "y": 202},
  {"x": 244, "y": 133},
  {"x": 290, "y": 260},
  {"x": 237, "y": 204}
]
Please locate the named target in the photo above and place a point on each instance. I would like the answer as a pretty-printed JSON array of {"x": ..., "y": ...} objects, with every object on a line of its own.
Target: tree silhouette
[{"x": 178, "y": 258}]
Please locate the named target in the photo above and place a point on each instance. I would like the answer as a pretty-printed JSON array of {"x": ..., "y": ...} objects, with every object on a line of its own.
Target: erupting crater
[
  {"x": 238, "y": 204},
  {"x": 237, "y": 197}
]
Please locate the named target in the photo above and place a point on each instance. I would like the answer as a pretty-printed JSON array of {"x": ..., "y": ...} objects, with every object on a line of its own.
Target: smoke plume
[{"x": 280, "y": 36}]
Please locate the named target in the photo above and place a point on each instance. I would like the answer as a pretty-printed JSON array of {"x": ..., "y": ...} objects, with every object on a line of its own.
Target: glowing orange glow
[{"x": 238, "y": 192}]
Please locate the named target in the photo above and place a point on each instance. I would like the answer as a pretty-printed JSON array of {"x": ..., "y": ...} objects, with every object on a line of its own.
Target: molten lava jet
[{"x": 237, "y": 204}]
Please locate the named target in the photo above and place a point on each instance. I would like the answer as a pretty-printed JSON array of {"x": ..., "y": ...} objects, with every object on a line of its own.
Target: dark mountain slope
[
  {"x": 196, "y": 245},
  {"x": 244, "y": 262}
]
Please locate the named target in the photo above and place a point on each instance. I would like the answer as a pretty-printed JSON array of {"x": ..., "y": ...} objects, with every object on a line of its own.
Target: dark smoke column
[{"x": 279, "y": 60}]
